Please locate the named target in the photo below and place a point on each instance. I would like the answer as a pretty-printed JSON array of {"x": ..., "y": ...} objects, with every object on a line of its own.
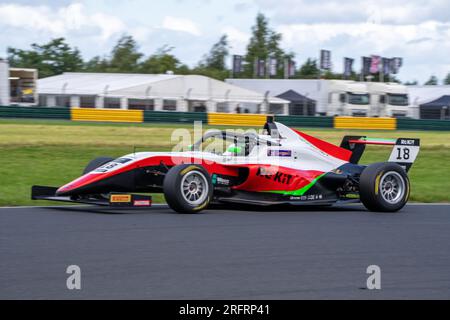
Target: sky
[{"x": 417, "y": 30}]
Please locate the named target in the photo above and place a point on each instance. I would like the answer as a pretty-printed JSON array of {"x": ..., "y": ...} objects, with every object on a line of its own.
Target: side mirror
[{"x": 342, "y": 98}]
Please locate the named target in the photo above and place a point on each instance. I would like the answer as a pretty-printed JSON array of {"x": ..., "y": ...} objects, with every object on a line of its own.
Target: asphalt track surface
[{"x": 278, "y": 253}]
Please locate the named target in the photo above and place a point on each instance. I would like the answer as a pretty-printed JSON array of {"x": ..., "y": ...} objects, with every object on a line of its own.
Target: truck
[
  {"x": 389, "y": 99},
  {"x": 347, "y": 98},
  {"x": 340, "y": 97}
]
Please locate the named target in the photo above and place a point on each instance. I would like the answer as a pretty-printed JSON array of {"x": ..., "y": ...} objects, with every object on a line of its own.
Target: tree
[
  {"x": 162, "y": 62},
  {"x": 447, "y": 79},
  {"x": 125, "y": 56},
  {"x": 264, "y": 44},
  {"x": 96, "y": 64},
  {"x": 308, "y": 70},
  {"x": 50, "y": 59},
  {"x": 216, "y": 58},
  {"x": 433, "y": 81},
  {"x": 214, "y": 63}
]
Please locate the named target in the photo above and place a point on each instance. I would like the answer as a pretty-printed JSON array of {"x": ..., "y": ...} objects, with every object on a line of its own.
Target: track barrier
[
  {"x": 107, "y": 115},
  {"x": 219, "y": 119},
  {"x": 242, "y": 119},
  {"x": 365, "y": 123}
]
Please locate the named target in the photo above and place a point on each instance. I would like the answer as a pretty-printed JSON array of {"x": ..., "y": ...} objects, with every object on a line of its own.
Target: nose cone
[{"x": 72, "y": 187}]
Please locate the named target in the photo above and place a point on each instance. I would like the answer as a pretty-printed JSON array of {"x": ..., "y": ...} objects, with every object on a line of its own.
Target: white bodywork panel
[{"x": 297, "y": 152}]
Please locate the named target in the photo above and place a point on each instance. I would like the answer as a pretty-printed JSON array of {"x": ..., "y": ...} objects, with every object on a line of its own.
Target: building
[
  {"x": 276, "y": 87},
  {"x": 4, "y": 83},
  {"x": 18, "y": 86},
  {"x": 438, "y": 109},
  {"x": 424, "y": 94},
  {"x": 23, "y": 86},
  {"x": 299, "y": 105},
  {"x": 161, "y": 92},
  {"x": 326, "y": 94},
  {"x": 321, "y": 91}
]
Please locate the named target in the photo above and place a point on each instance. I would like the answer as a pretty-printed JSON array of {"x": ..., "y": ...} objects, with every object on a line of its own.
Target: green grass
[{"x": 55, "y": 152}]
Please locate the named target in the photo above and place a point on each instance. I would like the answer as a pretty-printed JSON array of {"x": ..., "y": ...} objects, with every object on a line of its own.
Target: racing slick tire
[
  {"x": 384, "y": 187},
  {"x": 188, "y": 188},
  {"x": 96, "y": 163}
]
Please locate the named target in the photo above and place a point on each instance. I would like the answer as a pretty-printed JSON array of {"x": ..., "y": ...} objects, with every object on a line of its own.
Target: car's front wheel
[
  {"x": 384, "y": 187},
  {"x": 188, "y": 188}
]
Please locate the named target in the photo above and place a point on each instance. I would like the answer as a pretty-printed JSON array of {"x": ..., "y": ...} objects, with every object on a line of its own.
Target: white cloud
[
  {"x": 235, "y": 34},
  {"x": 424, "y": 46},
  {"x": 386, "y": 11},
  {"x": 375, "y": 37},
  {"x": 181, "y": 24},
  {"x": 418, "y": 30},
  {"x": 59, "y": 22},
  {"x": 237, "y": 39}
]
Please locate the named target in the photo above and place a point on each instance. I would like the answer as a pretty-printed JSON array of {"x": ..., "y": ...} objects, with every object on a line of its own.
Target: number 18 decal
[{"x": 404, "y": 153}]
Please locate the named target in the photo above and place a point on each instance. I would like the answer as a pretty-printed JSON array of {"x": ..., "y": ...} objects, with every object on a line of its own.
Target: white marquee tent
[
  {"x": 424, "y": 94},
  {"x": 152, "y": 92}
]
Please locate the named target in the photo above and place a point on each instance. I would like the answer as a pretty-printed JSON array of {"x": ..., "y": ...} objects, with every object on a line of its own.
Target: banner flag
[
  {"x": 292, "y": 68},
  {"x": 237, "y": 64},
  {"x": 325, "y": 60},
  {"x": 261, "y": 68},
  {"x": 387, "y": 66},
  {"x": 375, "y": 64},
  {"x": 366, "y": 63},
  {"x": 348, "y": 66},
  {"x": 273, "y": 67},
  {"x": 396, "y": 64}
]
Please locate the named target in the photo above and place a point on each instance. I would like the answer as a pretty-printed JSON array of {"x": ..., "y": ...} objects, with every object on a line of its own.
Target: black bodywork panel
[
  {"x": 113, "y": 199},
  {"x": 329, "y": 189}
]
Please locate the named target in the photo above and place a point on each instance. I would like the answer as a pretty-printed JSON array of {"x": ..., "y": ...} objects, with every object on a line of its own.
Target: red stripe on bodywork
[
  {"x": 169, "y": 161},
  {"x": 288, "y": 179},
  {"x": 331, "y": 149},
  {"x": 380, "y": 143},
  {"x": 277, "y": 178}
]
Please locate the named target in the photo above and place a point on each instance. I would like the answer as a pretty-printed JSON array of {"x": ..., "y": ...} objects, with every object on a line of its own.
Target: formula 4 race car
[{"x": 280, "y": 166}]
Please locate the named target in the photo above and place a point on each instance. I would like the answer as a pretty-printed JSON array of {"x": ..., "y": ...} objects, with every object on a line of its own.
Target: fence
[
  {"x": 106, "y": 115},
  {"x": 228, "y": 119},
  {"x": 365, "y": 123},
  {"x": 35, "y": 113},
  {"x": 174, "y": 117},
  {"x": 138, "y": 116}
]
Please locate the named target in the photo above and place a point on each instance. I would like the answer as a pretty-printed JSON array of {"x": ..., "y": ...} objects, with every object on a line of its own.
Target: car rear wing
[{"x": 404, "y": 153}]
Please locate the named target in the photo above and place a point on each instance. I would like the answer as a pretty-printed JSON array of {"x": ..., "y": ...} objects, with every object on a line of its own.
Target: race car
[{"x": 279, "y": 166}]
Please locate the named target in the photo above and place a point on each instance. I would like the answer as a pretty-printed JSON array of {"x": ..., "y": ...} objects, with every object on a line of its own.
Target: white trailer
[
  {"x": 389, "y": 99},
  {"x": 4, "y": 83},
  {"x": 333, "y": 97},
  {"x": 23, "y": 86},
  {"x": 347, "y": 98}
]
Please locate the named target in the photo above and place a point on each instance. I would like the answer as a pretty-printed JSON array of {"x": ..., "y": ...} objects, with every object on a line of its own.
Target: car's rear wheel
[
  {"x": 188, "y": 188},
  {"x": 96, "y": 163},
  {"x": 384, "y": 187}
]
